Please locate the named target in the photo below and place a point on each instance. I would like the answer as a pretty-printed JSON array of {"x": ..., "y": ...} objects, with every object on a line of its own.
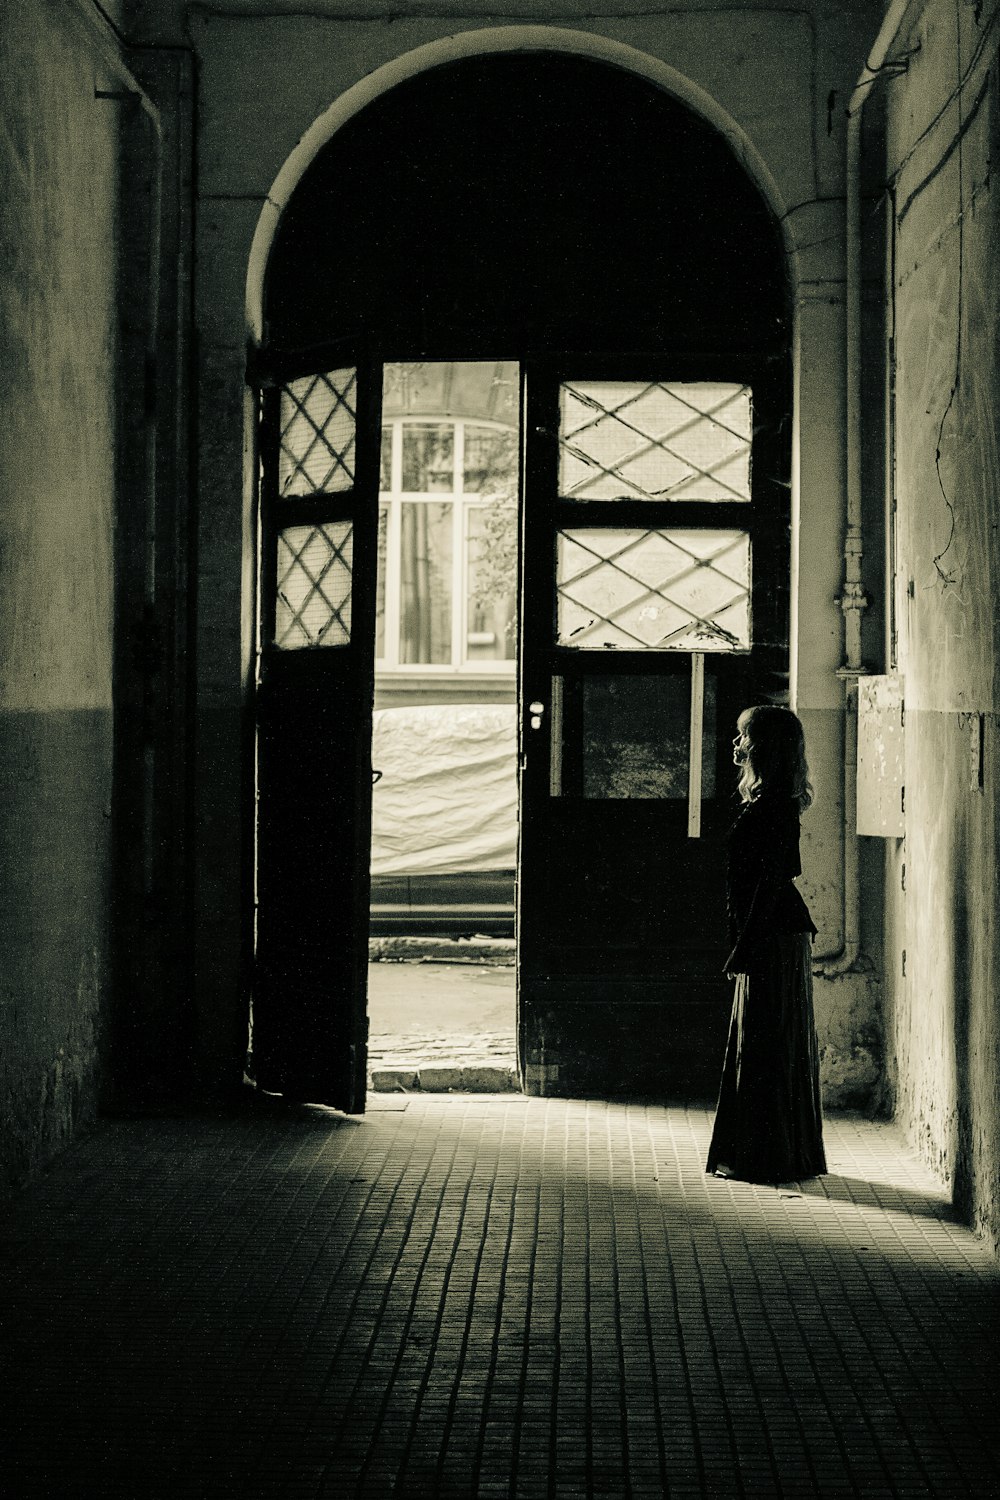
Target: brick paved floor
[{"x": 466, "y": 1296}]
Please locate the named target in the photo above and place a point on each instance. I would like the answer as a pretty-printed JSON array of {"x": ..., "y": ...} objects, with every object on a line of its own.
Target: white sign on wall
[{"x": 881, "y": 772}]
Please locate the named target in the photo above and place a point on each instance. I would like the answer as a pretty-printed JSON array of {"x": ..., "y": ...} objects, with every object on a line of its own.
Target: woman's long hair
[{"x": 773, "y": 755}]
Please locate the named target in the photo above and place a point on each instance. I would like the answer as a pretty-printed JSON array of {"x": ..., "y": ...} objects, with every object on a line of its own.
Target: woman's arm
[
  {"x": 754, "y": 924},
  {"x": 770, "y": 845}
]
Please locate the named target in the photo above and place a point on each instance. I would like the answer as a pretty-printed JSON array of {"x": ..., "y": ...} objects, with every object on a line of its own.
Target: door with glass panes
[
  {"x": 652, "y": 550},
  {"x": 319, "y": 444}
]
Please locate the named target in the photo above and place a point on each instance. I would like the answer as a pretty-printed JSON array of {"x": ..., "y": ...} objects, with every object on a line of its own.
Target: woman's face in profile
[{"x": 741, "y": 748}]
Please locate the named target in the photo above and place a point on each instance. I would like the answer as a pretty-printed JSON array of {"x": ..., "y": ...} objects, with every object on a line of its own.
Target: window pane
[
  {"x": 385, "y": 460},
  {"x": 491, "y": 582},
  {"x": 636, "y": 737},
  {"x": 425, "y": 571},
  {"x": 317, "y": 434},
  {"x": 632, "y": 440},
  {"x": 383, "y": 552},
  {"x": 428, "y": 457},
  {"x": 653, "y": 590},
  {"x": 490, "y": 462},
  {"x": 314, "y": 586}
]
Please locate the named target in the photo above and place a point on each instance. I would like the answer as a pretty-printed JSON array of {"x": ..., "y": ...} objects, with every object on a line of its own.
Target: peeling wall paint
[
  {"x": 881, "y": 775},
  {"x": 59, "y": 151},
  {"x": 943, "y": 940}
]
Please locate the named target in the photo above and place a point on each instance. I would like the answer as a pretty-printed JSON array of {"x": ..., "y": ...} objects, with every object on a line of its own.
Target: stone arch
[{"x": 480, "y": 43}]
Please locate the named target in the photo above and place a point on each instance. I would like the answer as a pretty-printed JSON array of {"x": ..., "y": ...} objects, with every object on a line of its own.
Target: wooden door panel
[
  {"x": 320, "y": 445},
  {"x": 640, "y": 578},
  {"x": 618, "y": 881}
]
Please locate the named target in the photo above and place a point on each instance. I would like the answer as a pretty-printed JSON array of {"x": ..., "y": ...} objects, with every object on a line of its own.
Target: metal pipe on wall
[
  {"x": 105, "y": 44},
  {"x": 853, "y": 600}
]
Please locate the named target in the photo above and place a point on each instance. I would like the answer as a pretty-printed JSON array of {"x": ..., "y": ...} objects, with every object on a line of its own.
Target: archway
[
  {"x": 574, "y": 218},
  {"x": 491, "y": 41}
]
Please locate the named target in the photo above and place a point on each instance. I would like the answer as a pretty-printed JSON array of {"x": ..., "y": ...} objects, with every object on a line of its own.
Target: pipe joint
[{"x": 853, "y": 598}]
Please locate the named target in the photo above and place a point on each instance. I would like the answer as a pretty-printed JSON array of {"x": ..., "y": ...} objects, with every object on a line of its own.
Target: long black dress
[{"x": 768, "y": 1124}]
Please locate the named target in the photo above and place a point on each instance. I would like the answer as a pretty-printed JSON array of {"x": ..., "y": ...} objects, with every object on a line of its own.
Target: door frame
[{"x": 768, "y": 657}]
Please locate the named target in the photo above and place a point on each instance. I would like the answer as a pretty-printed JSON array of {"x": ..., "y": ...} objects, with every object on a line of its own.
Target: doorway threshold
[
  {"x": 480, "y": 1062},
  {"x": 442, "y": 1016},
  {"x": 450, "y": 1075}
]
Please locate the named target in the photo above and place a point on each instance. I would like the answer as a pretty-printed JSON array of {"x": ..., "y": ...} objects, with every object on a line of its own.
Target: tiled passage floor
[{"x": 462, "y": 1297}]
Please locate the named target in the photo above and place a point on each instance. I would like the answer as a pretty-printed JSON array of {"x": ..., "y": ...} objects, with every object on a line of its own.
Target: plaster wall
[
  {"x": 848, "y": 1005},
  {"x": 773, "y": 78},
  {"x": 943, "y": 132},
  {"x": 59, "y": 152}
]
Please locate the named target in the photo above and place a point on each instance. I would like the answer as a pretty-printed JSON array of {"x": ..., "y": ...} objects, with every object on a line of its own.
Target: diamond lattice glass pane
[
  {"x": 318, "y": 422},
  {"x": 314, "y": 586},
  {"x": 653, "y": 590},
  {"x": 637, "y": 441}
]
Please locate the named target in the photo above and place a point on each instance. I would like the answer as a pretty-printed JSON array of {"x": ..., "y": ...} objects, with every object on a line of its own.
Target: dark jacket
[{"x": 762, "y": 899}]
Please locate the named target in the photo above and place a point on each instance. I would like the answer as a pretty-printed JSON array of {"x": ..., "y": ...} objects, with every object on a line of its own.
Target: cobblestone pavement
[
  {"x": 475, "y": 1296},
  {"x": 439, "y": 1026},
  {"x": 477, "y": 1062}
]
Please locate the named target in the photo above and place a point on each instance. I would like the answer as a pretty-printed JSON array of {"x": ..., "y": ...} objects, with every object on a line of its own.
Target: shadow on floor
[{"x": 470, "y": 1297}]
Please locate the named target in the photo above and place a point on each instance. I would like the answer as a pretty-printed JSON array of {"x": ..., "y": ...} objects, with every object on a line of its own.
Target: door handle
[{"x": 535, "y": 711}]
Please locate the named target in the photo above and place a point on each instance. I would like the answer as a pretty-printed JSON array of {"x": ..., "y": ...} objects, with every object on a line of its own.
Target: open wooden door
[
  {"x": 320, "y": 435},
  {"x": 641, "y": 515}
]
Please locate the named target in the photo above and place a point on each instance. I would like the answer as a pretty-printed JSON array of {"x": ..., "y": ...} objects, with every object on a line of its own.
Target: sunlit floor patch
[{"x": 435, "y": 1025}]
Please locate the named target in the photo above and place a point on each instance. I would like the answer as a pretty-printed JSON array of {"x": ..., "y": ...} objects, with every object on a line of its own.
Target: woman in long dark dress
[{"x": 768, "y": 1124}]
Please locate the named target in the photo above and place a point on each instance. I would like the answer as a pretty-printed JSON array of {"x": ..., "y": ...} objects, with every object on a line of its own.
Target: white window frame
[{"x": 461, "y": 504}]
